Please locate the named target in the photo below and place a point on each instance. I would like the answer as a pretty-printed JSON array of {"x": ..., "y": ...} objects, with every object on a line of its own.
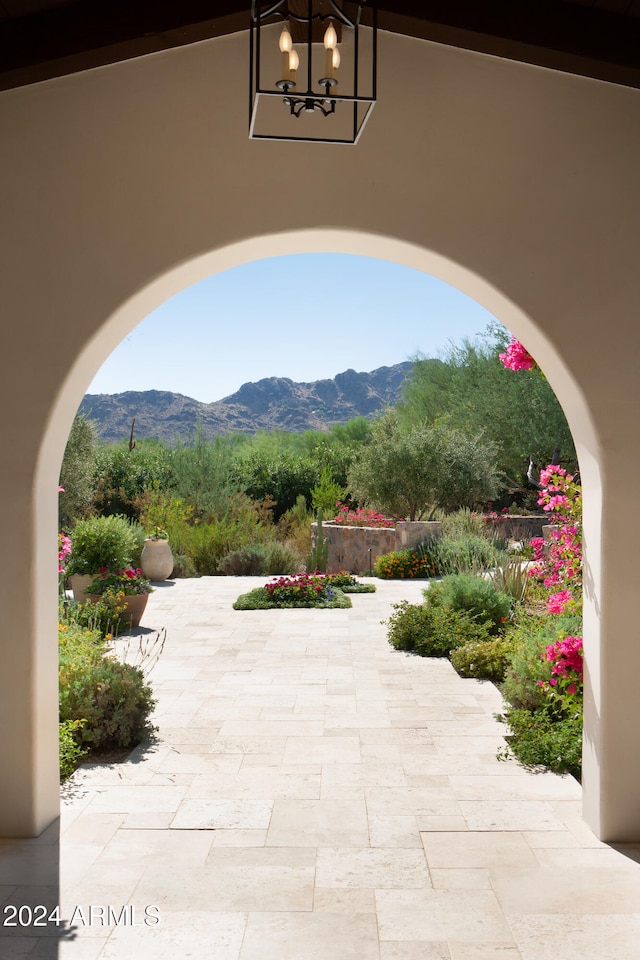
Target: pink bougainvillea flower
[
  {"x": 517, "y": 357},
  {"x": 557, "y": 602}
]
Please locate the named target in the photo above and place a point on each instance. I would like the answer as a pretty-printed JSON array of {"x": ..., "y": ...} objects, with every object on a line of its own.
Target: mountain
[{"x": 274, "y": 403}]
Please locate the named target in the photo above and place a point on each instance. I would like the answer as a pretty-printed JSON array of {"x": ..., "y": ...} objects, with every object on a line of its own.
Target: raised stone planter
[{"x": 356, "y": 548}]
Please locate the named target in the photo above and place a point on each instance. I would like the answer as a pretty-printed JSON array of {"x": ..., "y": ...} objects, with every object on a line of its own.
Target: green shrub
[
  {"x": 111, "y": 698},
  {"x": 246, "y": 562},
  {"x": 464, "y": 523},
  {"x": 281, "y": 559},
  {"x": 432, "y": 631},
  {"x": 97, "y": 542},
  {"x": 484, "y": 659},
  {"x": 477, "y": 596},
  {"x": 71, "y": 752},
  {"x": 537, "y": 739},
  {"x": 464, "y": 554},
  {"x": 408, "y": 564}
]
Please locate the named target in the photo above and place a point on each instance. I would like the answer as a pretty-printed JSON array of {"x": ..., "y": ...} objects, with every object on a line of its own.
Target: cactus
[{"x": 317, "y": 559}]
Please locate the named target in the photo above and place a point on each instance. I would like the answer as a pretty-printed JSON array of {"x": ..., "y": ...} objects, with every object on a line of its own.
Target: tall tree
[
  {"x": 471, "y": 391},
  {"x": 412, "y": 472}
]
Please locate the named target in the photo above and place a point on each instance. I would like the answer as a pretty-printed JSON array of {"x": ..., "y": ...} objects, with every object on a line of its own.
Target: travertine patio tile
[
  {"x": 217, "y": 813},
  {"x": 394, "y": 831},
  {"x": 126, "y": 799},
  {"x": 477, "y": 746},
  {"x": 441, "y": 915},
  {"x": 196, "y": 934},
  {"x": 347, "y": 900},
  {"x": 477, "y": 850},
  {"x": 82, "y": 948},
  {"x": 310, "y": 936},
  {"x": 498, "y": 815},
  {"x": 544, "y": 786},
  {"x": 379, "y": 868},
  {"x": 411, "y": 801},
  {"x": 569, "y": 890},
  {"x": 448, "y": 824},
  {"x": 484, "y": 951},
  {"x": 324, "y": 750},
  {"x": 417, "y": 950},
  {"x": 463, "y": 879},
  {"x": 258, "y": 782},
  {"x": 577, "y": 937},
  {"x": 239, "y": 838},
  {"x": 318, "y": 823},
  {"x": 271, "y": 728}
]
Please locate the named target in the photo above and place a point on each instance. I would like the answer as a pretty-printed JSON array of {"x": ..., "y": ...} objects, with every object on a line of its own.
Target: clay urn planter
[{"x": 157, "y": 559}]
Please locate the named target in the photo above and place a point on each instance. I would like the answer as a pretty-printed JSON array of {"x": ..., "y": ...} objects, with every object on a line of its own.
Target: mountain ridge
[{"x": 273, "y": 403}]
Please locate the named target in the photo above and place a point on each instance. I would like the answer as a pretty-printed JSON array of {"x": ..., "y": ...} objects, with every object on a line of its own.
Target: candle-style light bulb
[
  {"x": 294, "y": 63},
  {"x": 330, "y": 37},
  {"x": 331, "y": 57},
  {"x": 286, "y": 44}
]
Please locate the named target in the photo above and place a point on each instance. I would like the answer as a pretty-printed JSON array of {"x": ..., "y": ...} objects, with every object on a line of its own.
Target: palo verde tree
[{"x": 471, "y": 391}]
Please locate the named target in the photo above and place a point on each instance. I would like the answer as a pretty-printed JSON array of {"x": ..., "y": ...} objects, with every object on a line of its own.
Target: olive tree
[{"x": 413, "y": 472}]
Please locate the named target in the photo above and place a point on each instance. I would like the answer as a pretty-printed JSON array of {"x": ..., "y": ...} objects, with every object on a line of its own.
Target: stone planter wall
[
  {"x": 356, "y": 548},
  {"x": 349, "y": 546}
]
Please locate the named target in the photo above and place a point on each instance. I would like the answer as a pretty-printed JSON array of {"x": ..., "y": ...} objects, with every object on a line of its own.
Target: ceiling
[{"x": 42, "y": 39}]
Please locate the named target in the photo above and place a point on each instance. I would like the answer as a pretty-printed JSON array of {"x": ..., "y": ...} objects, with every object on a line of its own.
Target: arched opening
[{"x": 138, "y": 306}]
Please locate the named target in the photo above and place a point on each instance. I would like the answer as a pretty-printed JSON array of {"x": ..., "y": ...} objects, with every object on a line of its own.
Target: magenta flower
[{"x": 517, "y": 357}]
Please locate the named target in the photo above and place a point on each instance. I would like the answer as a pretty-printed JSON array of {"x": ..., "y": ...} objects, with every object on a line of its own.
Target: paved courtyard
[{"x": 314, "y": 794}]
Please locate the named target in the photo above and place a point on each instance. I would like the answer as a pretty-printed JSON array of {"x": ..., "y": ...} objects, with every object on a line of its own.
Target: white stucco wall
[{"x": 124, "y": 184}]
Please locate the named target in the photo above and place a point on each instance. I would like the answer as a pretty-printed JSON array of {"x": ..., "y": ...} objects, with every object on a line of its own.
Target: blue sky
[{"x": 306, "y": 317}]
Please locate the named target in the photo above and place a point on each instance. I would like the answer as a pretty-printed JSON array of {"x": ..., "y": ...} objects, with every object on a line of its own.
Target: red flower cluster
[
  {"x": 301, "y": 587},
  {"x": 361, "y": 518}
]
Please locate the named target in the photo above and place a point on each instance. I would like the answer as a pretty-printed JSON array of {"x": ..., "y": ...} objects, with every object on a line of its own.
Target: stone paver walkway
[{"x": 314, "y": 794}]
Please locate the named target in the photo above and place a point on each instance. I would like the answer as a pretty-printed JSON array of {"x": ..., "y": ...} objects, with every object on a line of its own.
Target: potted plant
[
  {"x": 97, "y": 543},
  {"x": 157, "y": 559},
  {"x": 130, "y": 583}
]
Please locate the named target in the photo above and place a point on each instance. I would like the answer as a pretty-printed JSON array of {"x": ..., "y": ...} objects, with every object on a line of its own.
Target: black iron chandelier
[{"x": 313, "y": 69}]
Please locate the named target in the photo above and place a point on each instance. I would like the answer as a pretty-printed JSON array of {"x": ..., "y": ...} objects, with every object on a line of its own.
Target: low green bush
[
  {"x": 281, "y": 559},
  {"x": 111, "y": 697},
  {"x": 432, "y": 631},
  {"x": 71, "y": 752},
  {"x": 104, "y": 703},
  {"x": 464, "y": 553},
  {"x": 477, "y": 596},
  {"x": 246, "y": 562},
  {"x": 110, "y": 542},
  {"x": 538, "y": 739},
  {"x": 483, "y": 659}
]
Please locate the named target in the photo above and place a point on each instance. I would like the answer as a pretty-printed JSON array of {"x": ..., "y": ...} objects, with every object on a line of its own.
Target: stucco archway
[{"x": 133, "y": 180}]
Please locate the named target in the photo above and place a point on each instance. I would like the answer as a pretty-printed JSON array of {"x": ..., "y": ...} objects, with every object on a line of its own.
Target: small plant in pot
[
  {"x": 157, "y": 559},
  {"x": 99, "y": 543},
  {"x": 130, "y": 584}
]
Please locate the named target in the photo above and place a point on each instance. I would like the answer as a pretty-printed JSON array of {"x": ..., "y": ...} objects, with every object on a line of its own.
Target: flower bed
[{"x": 304, "y": 590}]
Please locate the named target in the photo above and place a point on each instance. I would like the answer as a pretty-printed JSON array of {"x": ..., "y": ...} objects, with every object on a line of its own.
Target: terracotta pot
[
  {"x": 156, "y": 560},
  {"x": 134, "y": 607},
  {"x": 79, "y": 584}
]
